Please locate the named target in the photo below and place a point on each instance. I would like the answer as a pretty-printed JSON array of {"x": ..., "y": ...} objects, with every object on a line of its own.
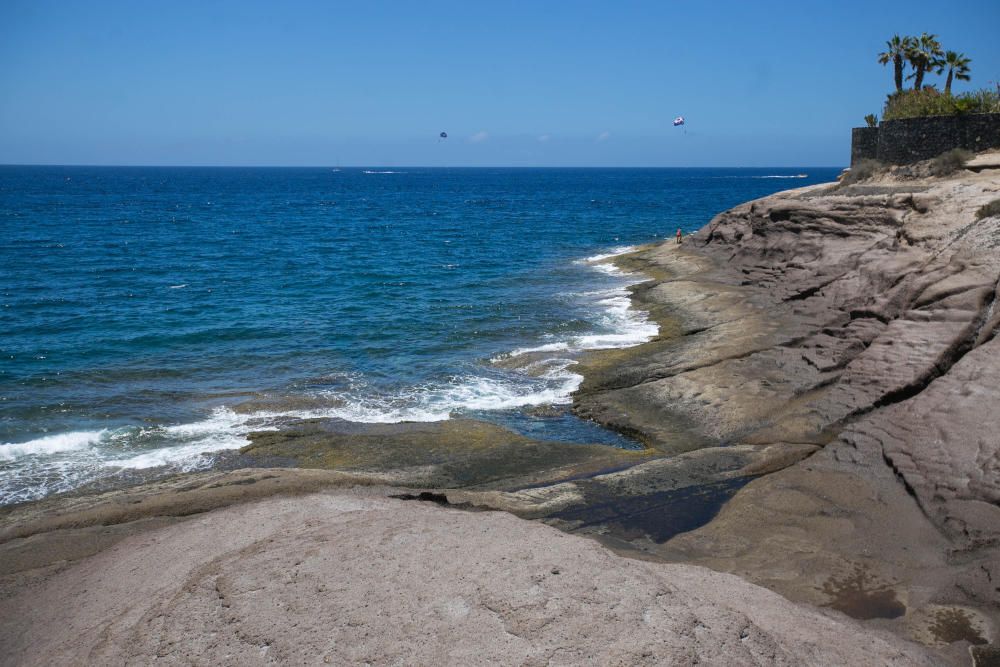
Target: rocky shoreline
[
  {"x": 845, "y": 337},
  {"x": 818, "y": 419}
]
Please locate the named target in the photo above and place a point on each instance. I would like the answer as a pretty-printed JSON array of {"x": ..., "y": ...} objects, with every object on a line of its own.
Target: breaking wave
[
  {"x": 51, "y": 444},
  {"x": 523, "y": 377}
]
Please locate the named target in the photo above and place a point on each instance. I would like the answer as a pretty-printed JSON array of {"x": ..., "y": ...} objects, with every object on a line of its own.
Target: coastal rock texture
[
  {"x": 820, "y": 415},
  {"x": 848, "y": 332},
  {"x": 451, "y": 454},
  {"x": 354, "y": 578}
]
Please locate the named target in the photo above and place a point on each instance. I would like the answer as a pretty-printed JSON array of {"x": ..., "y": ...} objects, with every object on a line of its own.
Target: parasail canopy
[{"x": 678, "y": 121}]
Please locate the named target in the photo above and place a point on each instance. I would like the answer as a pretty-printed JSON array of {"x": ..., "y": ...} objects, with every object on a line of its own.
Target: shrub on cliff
[
  {"x": 949, "y": 162},
  {"x": 930, "y": 102},
  {"x": 979, "y": 101},
  {"x": 989, "y": 210},
  {"x": 862, "y": 171}
]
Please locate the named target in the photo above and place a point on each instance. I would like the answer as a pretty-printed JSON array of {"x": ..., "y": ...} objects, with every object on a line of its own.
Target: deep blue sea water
[{"x": 152, "y": 316}]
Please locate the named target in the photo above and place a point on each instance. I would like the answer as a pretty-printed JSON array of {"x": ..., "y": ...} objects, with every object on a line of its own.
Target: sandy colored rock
[
  {"x": 352, "y": 578},
  {"x": 854, "y": 330}
]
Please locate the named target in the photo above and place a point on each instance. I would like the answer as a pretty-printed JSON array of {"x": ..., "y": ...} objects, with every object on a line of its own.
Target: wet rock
[{"x": 456, "y": 453}]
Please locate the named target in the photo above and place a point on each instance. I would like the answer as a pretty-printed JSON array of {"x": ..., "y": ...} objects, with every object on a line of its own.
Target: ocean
[{"x": 152, "y": 317}]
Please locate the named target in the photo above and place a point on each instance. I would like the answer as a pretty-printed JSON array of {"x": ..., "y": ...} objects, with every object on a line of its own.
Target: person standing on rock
[{"x": 678, "y": 236}]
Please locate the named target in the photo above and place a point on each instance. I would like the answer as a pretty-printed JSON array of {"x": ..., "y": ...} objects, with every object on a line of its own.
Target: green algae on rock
[{"x": 457, "y": 453}]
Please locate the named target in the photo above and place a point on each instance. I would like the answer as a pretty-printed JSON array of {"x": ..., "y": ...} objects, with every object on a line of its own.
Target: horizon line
[{"x": 385, "y": 166}]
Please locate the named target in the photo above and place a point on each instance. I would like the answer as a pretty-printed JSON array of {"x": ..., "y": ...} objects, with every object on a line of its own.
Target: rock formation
[
  {"x": 822, "y": 418},
  {"x": 842, "y": 339},
  {"x": 353, "y": 578}
]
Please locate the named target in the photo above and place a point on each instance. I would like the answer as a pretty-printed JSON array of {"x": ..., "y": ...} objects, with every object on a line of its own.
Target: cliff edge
[{"x": 842, "y": 340}]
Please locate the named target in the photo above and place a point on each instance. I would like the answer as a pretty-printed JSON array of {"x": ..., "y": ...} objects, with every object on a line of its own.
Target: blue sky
[{"x": 513, "y": 83}]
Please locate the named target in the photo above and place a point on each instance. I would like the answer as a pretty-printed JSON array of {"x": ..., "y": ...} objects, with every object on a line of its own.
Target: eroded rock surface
[
  {"x": 851, "y": 333},
  {"x": 352, "y": 578}
]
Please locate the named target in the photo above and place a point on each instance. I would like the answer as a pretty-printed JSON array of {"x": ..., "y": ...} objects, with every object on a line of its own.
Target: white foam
[
  {"x": 178, "y": 286},
  {"x": 611, "y": 341},
  {"x": 183, "y": 457},
  {"x": 438, "y": 402},
  {"x": 614, "y": 252},
  {"x": 223, "y": 429},
  {"x": 374, "y": 410},
  {"x": 221, "y": 419},
  {"x": 548, "y": 347},
  {"x": 369, "y": 171},
  {"x": 482, "y": 393},
  {"x": 777, "y": 176},
  {"x": 51, "y": 444},
  {"x": 625, "y": 326},
  {"x": 609, "y": 269}
]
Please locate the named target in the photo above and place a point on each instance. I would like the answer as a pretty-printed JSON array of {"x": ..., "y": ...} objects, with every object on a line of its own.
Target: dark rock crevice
[{"x": 810, "y": 291}]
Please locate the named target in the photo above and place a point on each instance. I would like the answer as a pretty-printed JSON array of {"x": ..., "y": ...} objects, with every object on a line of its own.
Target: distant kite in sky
[
  {"x": 443, "y": 136},
  {"x": 678, "y": 121}
]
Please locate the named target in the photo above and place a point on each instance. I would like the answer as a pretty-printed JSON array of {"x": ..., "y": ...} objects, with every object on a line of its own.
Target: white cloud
[
  {"x": 479, "y": 137},
  {"x": 603, "y": 136},
  {"x": 544, "y": 138}
]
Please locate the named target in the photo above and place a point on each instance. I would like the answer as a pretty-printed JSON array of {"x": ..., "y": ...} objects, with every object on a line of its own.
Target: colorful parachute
[{"x": 678, "y": 121}]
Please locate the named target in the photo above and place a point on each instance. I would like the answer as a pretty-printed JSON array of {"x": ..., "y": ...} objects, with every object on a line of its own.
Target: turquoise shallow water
[{"x": 152, "y": 316}]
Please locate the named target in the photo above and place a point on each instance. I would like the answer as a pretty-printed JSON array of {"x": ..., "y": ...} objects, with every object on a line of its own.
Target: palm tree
[
  {"x": 896, "y": 51},
  {"x": 958, "y": 67},
  {"x": 924, "y": 56}
]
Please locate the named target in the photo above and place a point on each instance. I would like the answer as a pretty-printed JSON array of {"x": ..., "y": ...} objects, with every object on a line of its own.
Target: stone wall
[
  {"x": 912, "y": 139},
  {"x": 864, "y": 144}
]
